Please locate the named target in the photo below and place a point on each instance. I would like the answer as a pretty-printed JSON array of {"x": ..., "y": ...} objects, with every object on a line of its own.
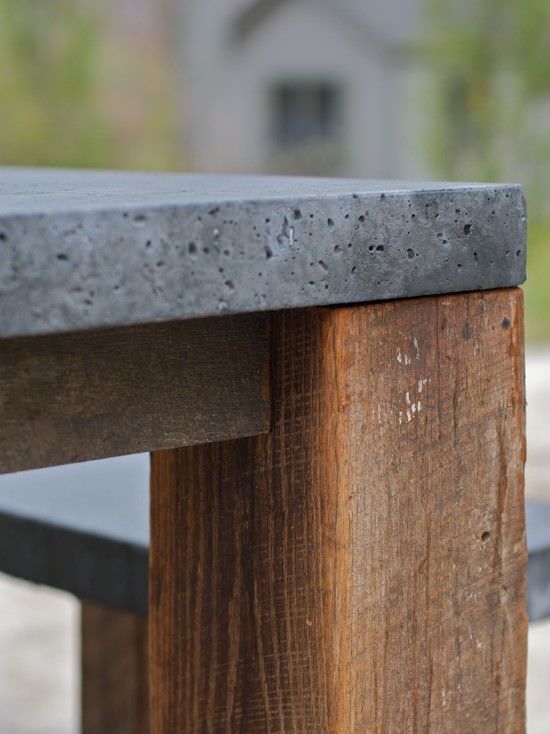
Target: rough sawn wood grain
[
  {"x": 80, "y": 396},
  {"x": 114, "y": 672},
  {"x": 361, "y": 568}
]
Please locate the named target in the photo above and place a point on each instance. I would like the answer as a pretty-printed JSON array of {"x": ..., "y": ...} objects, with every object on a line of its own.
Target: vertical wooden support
[
  {"x": 362, "y": 568},
  {"x": 114, "y": 672}
]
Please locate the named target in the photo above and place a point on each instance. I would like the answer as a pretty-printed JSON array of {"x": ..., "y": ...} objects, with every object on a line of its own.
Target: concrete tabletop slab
[{"x": 92, "y": 249}]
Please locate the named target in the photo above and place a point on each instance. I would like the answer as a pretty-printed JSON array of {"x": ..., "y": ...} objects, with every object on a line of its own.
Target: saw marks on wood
[{"x": 361, "y": 568}]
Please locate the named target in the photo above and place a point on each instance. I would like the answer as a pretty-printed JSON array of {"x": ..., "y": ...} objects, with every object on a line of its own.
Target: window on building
[
  {"x": 304, "y": 112},
  {"x": 306, "y": 128}
]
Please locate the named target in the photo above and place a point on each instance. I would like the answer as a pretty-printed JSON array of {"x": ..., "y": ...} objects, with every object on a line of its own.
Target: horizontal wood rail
[{"x": 105, "y": 393}]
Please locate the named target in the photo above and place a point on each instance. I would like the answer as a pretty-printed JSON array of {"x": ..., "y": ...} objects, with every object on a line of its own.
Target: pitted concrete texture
[{"x": 91, "y": 249}]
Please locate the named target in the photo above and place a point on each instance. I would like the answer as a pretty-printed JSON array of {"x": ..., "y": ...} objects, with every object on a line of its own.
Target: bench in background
[
  {"x": 94, "y": 542},
  {"x": 85, "y": 529},
  {"x": 538, "y": 574}
]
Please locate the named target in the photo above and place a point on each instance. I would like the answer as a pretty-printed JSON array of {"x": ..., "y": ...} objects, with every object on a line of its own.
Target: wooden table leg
[
  {"x": 361, "y": 568},
  {"x": 114, "y": 672}
]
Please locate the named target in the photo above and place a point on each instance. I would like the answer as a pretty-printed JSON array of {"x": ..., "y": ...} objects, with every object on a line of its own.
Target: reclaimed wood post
[
  {"x": 362, "y": 567},
  {"x": 114, "y": 671}
]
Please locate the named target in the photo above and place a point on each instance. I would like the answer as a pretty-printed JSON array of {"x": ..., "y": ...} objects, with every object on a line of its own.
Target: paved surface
[
  {"x": 88, "y": 249},
  {"x": 39, "y": 680},
  {"x": 538, "y": 678},
  {"x": 39, "y": 683}
]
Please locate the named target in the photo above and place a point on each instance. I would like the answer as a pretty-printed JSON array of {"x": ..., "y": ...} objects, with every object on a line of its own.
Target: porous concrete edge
[{"x": 106, "y": 267}]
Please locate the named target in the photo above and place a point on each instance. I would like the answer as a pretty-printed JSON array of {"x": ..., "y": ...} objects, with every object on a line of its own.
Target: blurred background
[{"x": 417, "y": 89}]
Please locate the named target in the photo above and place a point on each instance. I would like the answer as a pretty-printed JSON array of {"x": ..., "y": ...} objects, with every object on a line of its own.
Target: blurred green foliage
[
  {"x": 49, "y": 85},
  {"x": 492, "y": 65},
  {"x": 74, "y": 93},
  {"x": 537, "y": 290}
]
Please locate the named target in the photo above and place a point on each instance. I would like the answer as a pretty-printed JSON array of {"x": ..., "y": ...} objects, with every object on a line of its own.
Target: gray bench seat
[
  {"x": 80, "y": 528},
  {"x": 538, "y": 577},
  {"x": 85, "y": 529}
]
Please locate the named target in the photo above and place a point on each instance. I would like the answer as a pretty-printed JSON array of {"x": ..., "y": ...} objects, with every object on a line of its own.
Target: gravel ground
[{"x": 39, "y": 682}]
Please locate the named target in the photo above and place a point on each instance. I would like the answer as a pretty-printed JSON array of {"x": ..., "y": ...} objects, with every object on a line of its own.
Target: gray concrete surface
[
  {"x": 94, "y": 249},
  {"x": 39, "y": 683}
]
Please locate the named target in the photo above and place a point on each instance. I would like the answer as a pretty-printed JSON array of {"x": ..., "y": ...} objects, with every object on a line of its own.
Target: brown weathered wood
[
  {"x": 114, "y": 672},
  {"x": 362, "y": 568},
  {"x": 84, "y": 396}
]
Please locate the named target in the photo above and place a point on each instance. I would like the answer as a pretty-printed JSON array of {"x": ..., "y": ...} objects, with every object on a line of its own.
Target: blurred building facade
[{"x": 321, "y": 87}]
